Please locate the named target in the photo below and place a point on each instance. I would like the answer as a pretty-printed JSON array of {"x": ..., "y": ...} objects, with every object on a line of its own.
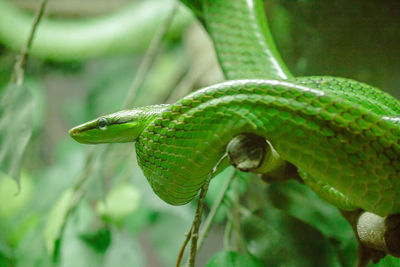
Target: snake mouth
[{"x": 80, "y": 134}]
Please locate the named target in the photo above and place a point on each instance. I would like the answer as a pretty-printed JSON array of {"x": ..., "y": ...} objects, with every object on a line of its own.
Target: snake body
[
  {"x": 341, "y": 134},
  {"x": 341, "y": 143}
]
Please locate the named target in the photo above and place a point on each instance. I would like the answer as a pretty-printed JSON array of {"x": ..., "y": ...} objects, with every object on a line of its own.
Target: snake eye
[{"x": 102, "y": 123}]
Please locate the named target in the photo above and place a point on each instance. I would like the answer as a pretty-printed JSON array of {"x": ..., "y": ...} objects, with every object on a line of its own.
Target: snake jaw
[{"x": 84, "y": 133}]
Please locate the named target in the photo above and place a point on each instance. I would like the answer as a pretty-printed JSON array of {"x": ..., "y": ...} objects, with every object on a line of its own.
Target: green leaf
[
  {"x": 233, "y": 259},
  {"x": 301, "y": 202},
  {"x": 39, "y": 96},
  {"x": 56, "y": 219},
  {"x": 73, "y": 251},
  {"x": 16, "y": 108},
  {"x": 10, "y": 202},
  {"x": 6, "y": 257},
  {"x": 120, "y": 202},
  {"x": 140, "y": 219},
  {"x": 125, "y": 250},
  {"x": 99, "y": 240},
  {"x": 281, "y": 240},
  {"x": 214, "y": 190},
  {"x": 167, "y": 234},
  {"x": 32, "y": 248},
  {"x": 388, "y": 261}
]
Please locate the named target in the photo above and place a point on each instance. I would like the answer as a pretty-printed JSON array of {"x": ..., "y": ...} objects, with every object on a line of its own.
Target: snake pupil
[{"x": 102, "y": 123}]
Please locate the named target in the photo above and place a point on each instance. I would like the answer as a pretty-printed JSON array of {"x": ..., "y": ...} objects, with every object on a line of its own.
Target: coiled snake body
[{"x": 341, "y": 134}]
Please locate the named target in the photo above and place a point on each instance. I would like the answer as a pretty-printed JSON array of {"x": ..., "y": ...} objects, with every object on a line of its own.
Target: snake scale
[{"x": 341, "y": 134}]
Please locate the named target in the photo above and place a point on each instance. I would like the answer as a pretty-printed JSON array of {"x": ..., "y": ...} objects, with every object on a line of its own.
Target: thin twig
[
  {"x": 211, "y": 216},
  {"x": 149, "y": 57},
  {"x": 199, "y": 212},
  {"x": 18, "y": 74},
  {"x": 233, "y": 232},
  {"x": 182, "y": 250},
  {"x": 239, "y": 244},
  {"x": 227, "y": 233},
  {"x": 197, "y": 221},
  {"x": 77, "y": 196}
]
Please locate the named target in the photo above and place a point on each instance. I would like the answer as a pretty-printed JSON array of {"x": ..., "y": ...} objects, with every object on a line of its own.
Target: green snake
[{"x": 342, "y": 135}]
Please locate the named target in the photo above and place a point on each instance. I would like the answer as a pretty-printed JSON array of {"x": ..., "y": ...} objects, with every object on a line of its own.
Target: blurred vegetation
[{"x": 91, "y": 206}]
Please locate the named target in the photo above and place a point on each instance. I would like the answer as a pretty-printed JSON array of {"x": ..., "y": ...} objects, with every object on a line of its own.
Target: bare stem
[
  {"x": 211, "y": 216},
  {"x": 194, "y": 230},
  {"x": 239, "y": 244},
  {"x": 18, "y": 74},
  {"x": 182, "y": 250},
  {"x": 78, "y": 192},
  {"x": 197, "y": 221},
  {"x": 227, "y": 235}
]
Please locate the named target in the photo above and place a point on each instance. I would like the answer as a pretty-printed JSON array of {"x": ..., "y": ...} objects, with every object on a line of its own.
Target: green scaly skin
[{"x": 342, "y": 135}]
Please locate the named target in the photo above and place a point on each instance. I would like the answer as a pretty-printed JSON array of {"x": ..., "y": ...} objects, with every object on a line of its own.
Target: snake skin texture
[
  {"x": 335, "y": 137},
  {"x": 342, "y": 135}
]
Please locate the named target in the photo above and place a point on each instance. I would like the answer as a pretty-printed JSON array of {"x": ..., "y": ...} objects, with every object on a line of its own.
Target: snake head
[{"x": 119, "y": 127}]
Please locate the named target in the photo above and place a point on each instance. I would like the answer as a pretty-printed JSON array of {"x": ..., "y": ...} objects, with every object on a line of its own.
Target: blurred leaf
[
  {"x": 120, "y": 201},
  {"x": 21, "y": 227},
  {"x": 16, "y": 108},
  {"x": 281, "y": 240},
  {"x": 58, "y": 176},
  {"x": 6, "y": 258},
  {"x": 99, "y": 240},
  {"x": 162, "y": 77},
  {"x": 6, "y": 261},
  {"x": 388, "y": 261},
  {"x": 232, "y": 259},
  {"x": 124, "y": 251},
  {"x": 56, "y": 219},
  {"x": 10, "y": 202},
  {"x": 116, "y": 74},
  {"x": 301, "y": 202},
  {"x": 240, "y": 183},
  {"x": 39, "y": 102},
  {"x": 31, "y": 249},
  {"x": 214, "y": 190},
  {"x": 155, "y": 203},
  {"x": 239, "y": 186},
  {"x": 73, "y": 250},
  {"x": 216, "y": 185},
  {"x": 136, "y": 221},
  {"x": 167, "y": 234}
]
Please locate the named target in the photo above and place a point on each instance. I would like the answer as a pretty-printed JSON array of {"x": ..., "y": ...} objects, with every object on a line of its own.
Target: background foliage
[{"x": 116, "y": 219}]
